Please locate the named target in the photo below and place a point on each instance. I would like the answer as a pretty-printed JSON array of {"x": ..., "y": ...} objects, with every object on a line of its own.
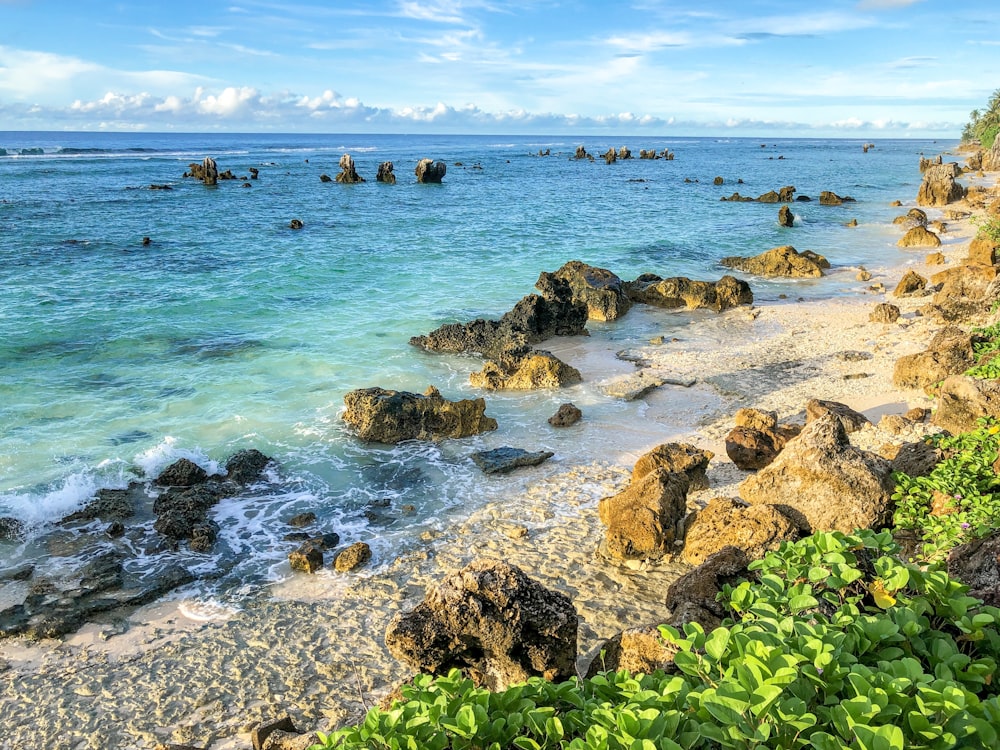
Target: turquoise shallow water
[{"x": 231, "y": 330}]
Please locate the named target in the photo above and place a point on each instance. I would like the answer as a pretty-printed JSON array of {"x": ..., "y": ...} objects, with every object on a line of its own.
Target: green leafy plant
[
  {"x": 834, "y": 644},
  {"x": 960, "y": 499}
]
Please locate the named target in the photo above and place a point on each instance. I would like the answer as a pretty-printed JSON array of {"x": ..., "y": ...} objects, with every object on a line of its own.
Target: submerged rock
[
  {"x": 492, "y": 621},
  {"x": 386, "y": 416},
  {"x": 505, "y": 459},
  {"x": 566, "y": 415}
]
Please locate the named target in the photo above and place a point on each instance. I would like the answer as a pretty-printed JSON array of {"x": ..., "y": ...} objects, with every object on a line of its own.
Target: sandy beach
[{"x": 313, "y": 648}]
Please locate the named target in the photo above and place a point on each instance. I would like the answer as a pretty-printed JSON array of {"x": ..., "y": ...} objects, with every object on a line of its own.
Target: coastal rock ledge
[{"x": 384, "y": 416}]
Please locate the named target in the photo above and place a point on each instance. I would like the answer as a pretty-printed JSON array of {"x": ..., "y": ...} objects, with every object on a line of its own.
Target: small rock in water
[
  {"x": 633, "y": 386},
  {"x": 307, "y": 558},
  {"x": 295, "y": 224},
  {"x": 502, "y": 460},
  {"x": 567, "y": 415},
  {"x": 353, "y": 557},
  {"x": 302, "y": 519}
]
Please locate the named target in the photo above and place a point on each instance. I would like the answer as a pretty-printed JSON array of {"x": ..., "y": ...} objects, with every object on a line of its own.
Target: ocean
[{"x": 231, "y": 330}]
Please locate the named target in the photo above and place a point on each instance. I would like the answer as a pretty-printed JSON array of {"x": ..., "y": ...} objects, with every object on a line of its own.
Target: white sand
[{"x": 315, "y": 649}]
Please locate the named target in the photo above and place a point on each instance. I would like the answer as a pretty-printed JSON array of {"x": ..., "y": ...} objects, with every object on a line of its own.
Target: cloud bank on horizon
[{"x": 744, "y": 67}]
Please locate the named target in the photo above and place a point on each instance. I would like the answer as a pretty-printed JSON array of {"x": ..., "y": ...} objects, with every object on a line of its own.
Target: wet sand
[{"x": 312, "y": 646}]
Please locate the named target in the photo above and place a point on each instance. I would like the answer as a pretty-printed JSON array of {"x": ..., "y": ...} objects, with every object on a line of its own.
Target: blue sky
[{"x": 864, "y": 68}]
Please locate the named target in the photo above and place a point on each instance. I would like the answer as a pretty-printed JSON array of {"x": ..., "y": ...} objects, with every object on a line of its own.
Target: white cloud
[
  {"x": 436, "y": 11},
  {"x": 231, "y": 102},
  {"x": 886, "y": 4}
]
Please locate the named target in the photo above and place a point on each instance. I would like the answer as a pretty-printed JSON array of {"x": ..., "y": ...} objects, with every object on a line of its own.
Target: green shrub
[
  {"x": 966, "y": 479},
  {"x": 836, "y": 644}
]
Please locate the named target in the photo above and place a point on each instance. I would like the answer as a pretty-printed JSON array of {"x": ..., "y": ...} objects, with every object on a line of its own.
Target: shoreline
[{"x": 264, "y": 658}]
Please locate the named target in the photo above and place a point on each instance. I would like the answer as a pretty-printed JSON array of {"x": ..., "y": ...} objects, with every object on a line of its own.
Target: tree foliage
[{"x": 984, "y": 124}]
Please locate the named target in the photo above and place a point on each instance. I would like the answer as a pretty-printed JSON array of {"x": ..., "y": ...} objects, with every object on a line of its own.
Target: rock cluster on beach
[{"x": 106, "y": 585}]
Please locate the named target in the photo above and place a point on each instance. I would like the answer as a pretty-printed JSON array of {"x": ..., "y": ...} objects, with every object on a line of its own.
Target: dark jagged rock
[
  {"x": 598, "y": 288},
  {"x": 505, "y": 459},
  {"x": 295, "y": 224},
  {"x": 385, "y": 173},
  {"x": 325, "y": 178},
  {"x": 566, "y": 415},
  {"x": 534, "y": 319},
  {"x": 54, "y": 607},
  {"x": 182, "y": 514},
  {"x": 977, "y": 565},
  {"x": 386, "y": 416},
  {"x": 348, "y": 173},
  {"x": 109, "y": 505},
  {"x": 492, "y": 621},
  {"x": 11, "y": 529},
  {"x": 693, "y": 596},
  {"x": 182, "y": 473},
  {"x": 785, "y": 217},
  {"x": 254, "y": 173},
  {"x": 430, "y": 171},
  {"x": 246, "y": 466},
  {"x": 680, "y": 291}
]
